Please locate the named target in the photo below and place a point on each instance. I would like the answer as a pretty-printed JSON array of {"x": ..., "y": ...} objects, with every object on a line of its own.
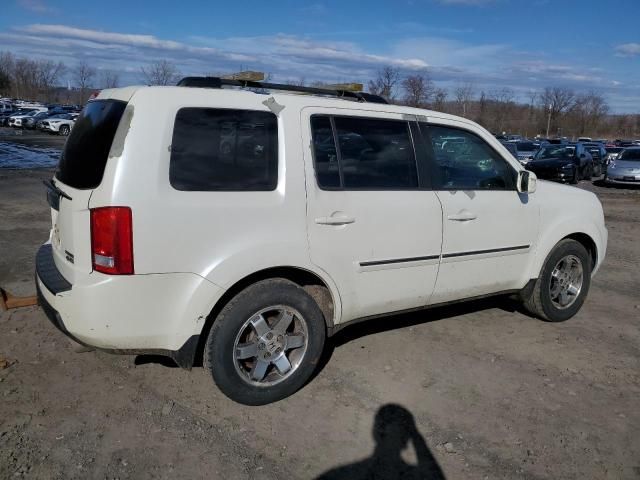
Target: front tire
[
  {"x": 265, "y": 343},
  {"x": 563, "y": 284},
  {"x": 64, "y": 130},
  {"x": 574, "y": 179}
]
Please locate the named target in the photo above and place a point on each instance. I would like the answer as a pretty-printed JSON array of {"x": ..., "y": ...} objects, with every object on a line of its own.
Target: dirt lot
[{"x": 493, "y": 393}]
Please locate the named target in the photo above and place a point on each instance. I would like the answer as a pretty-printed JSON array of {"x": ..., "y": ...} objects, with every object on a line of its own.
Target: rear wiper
[{"x": 52, "y": 186}]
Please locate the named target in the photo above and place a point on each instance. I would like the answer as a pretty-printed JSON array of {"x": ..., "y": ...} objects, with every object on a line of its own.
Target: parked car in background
[
  {"x": 526, "y": 151},
  {"x": 6, "y": 107},
  {"x": 612, "y": 153},
  {"x": 4, "y": 119},
  {"x": 16, "y": 120},
  {"x": 598, "y": 153},
  {"x": 625, "y": 168},
  {"x": 60, "y": 124},
  {"x": 564, "y": 163},
  {"x": 558, "y": 141},
  {"x": 585, "y": 139},
  {"x": 512, "y": 147},
  {"x": 30, "y": 122}
]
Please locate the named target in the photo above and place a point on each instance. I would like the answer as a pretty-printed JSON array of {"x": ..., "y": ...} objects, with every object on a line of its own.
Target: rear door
[
  {"x": 373, "y": 226},
  {"x": 80, "y": 170}
]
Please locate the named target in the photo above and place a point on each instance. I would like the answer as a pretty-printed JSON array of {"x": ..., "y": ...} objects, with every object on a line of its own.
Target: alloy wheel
[
  {"x": 270, "y": 345},
  {"x": 567, "y": 278}
]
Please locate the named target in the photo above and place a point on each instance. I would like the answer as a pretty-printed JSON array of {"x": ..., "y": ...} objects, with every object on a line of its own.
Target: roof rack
[{"x": 218, "y": 82}]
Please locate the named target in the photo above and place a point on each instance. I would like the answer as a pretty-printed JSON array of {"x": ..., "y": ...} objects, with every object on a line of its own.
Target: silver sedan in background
[{"x": 625, "y": 168}]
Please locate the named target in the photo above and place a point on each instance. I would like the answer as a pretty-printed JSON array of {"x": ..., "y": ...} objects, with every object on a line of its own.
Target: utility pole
[{"x": 548, "y": 121}]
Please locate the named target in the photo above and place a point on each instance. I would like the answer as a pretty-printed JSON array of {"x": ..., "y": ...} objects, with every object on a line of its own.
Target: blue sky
[{"x": 524, "y": 45}]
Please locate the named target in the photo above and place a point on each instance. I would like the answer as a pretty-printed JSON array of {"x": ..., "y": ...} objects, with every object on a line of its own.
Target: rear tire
[
  {"x": 562, "y": 286},
  {"x": 64, "y": 130},
  {"x": 588, "y": 172},
  {"x": 253, "y": 357}
]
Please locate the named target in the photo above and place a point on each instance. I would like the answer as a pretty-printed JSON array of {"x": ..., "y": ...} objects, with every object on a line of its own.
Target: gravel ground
[{"x": 479, "y": 390}]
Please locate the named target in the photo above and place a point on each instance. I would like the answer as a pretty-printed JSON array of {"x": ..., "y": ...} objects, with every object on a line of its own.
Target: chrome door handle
[
  {"x": 463, "y": 216},
  {"x": 338, "y": 220}
]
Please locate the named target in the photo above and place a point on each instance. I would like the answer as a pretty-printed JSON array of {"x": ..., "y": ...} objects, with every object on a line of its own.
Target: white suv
[{"x": 247, "y": 225}]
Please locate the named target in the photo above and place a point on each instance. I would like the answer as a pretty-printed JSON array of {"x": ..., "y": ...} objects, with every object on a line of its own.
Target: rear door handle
[
  {"x": 463, "y": 216},
  {"x": 338, "y": 220}
]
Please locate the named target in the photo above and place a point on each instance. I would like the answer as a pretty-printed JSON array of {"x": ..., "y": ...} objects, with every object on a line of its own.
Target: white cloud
[
  {"x": 37, "y": 6},
  {"x": 628, "y": 49},
  {"x": 489, "y": 66}
]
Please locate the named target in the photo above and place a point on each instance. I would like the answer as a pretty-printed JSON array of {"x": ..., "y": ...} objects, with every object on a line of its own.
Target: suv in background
[{"x": 247, "y": 226}]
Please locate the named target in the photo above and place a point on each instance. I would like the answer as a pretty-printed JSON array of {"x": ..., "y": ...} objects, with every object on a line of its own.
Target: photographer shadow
[{"x": 394, "y": 429}]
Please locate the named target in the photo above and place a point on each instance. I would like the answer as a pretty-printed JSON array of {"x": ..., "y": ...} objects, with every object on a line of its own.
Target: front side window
[
  {"x": 224, "y": 150},
  {"x": 464, "y": 161},
  {"x": 372, "y": 154}
]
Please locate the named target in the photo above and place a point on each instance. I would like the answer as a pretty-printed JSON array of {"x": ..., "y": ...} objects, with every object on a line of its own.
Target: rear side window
[
  {"x": 224, "y": 150},
  {"x": 372, "y": 154},
  {"x": 85, "y": 154}
]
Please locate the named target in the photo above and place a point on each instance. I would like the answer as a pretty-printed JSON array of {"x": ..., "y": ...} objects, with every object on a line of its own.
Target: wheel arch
[
  {"x": 321, "y": 290},
  {"x": 588, "y": 243},
  {"x": 547, "y": 245}
]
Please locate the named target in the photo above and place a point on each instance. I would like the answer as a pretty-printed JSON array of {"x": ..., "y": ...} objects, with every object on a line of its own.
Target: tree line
[
  {"x": 43, "y": 80},
  {"x": 552, "y": 111}
]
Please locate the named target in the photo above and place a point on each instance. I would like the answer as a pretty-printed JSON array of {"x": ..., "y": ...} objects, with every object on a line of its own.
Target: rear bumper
[{"x": 136, "y": 314}]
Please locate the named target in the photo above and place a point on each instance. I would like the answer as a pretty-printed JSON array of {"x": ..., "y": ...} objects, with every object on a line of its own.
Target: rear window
[
  {"x": 224, "y": 150},
  {"x": 85, "y": 154}
]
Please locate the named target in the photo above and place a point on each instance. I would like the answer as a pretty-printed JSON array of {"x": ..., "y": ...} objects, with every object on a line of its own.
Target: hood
[
  {"x": 551, "y": 163},
  {"x": 631, "y": 164}
]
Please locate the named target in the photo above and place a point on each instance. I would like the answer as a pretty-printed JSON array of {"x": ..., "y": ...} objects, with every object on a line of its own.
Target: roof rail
[{"x": 218, "y": 82}]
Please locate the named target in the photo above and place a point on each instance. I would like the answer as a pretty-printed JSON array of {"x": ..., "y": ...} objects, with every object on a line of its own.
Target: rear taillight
[{"x": 112, "y": 240}]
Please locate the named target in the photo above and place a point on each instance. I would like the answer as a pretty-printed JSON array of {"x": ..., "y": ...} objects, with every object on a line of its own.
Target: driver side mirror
[{"x": 526, "y": 181}]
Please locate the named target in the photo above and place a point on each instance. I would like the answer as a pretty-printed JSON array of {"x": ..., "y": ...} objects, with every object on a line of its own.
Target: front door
[
  {"x": 489, "y": 229},
  {"x": 372, "y": 225}
]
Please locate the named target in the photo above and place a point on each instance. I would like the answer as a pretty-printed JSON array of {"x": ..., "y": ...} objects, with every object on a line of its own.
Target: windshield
[
  {"x": 614, "y": 149},
  {"x": 526, "y": 146},
  {"x": 630, "y": 155},
  {"x": 556, "y": 151}
]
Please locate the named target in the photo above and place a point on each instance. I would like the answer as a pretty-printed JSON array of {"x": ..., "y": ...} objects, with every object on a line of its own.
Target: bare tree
[
  {"x": 83, "y": 75},
  {"x": 588, "y": 111},
  {"x": 464, "y": 96},
  {"x": 440, "y": 99},
  {"x": 385, "y": 82},
  {"x": 556, "y": 101},
  {"x": 7, "y": 62},
  {"x": 109, "y": 79},
  {"x": 418, "y": 89},
  {"x": 161, "y": 72},
  {"x": 48, "y": 74},
  {"x": 503, "y": 105}
]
